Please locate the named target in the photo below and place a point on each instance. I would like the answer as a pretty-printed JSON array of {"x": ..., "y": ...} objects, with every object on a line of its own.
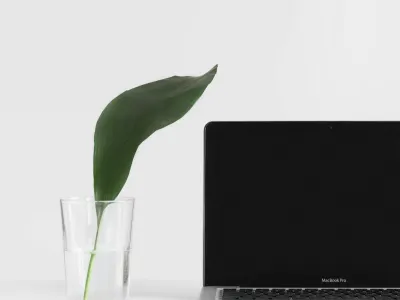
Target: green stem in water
[{"x": 92, "y": 256}]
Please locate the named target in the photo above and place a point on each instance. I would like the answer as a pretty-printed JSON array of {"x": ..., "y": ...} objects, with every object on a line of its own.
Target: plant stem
[{"x": 92, "y": 256}]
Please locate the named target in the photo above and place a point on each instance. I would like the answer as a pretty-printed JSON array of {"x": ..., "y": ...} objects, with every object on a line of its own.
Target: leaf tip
[
  {"x": 211, "y": 74},
  {"x": 214, "y": 70}
]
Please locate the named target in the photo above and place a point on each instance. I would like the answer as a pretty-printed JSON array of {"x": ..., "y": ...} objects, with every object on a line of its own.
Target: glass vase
[{"x": 97, "y": 243}]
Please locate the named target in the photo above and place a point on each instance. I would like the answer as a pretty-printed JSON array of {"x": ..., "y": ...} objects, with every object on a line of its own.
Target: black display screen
[{"x": 302, "y": 204}]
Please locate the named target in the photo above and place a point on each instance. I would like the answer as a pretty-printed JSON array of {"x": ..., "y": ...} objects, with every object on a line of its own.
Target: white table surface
[{"x": 144, "y": 289}]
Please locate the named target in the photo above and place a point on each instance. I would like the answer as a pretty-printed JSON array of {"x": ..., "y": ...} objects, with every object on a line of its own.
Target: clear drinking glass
[{"x": 97, "y": 243}]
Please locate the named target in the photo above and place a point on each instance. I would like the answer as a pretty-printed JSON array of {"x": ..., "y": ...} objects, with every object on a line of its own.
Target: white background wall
[{"x": 61, "y": 62}]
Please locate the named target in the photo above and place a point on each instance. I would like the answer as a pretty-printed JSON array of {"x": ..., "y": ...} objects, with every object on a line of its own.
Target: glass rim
[{"x": 91, "y": 199}]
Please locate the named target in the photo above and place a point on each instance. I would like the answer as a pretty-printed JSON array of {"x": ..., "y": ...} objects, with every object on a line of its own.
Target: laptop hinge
[{"x": 245, "y": 288}]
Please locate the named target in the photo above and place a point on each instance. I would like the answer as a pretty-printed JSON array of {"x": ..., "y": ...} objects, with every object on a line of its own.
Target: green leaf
[{"x": 131, "y": 118}]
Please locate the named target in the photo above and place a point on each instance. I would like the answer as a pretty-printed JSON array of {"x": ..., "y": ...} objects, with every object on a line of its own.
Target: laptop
[{"x": 302, "y": 210}]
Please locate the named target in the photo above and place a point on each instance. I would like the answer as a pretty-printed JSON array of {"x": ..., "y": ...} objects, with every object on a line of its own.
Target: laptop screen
[{"x": 302, "y": 204}]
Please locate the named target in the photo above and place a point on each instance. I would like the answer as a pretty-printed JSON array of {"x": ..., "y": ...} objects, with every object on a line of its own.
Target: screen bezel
[{"x": 209, "y": 278}]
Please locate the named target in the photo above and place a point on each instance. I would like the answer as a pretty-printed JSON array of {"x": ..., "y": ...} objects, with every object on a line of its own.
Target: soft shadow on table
[
  {"x": 141, "y": 290},
  {"x": 168, "y": 289}
]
